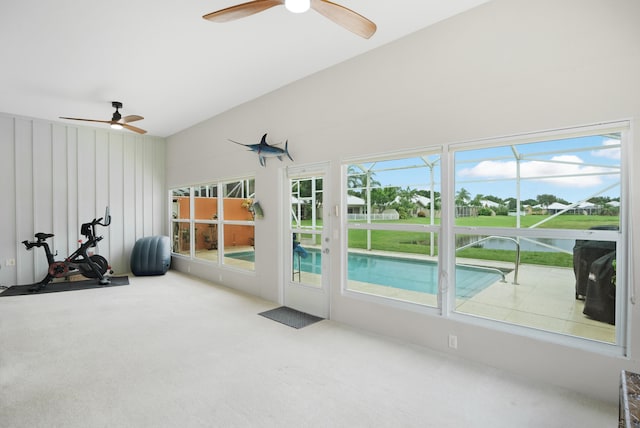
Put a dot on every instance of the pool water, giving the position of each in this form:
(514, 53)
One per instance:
(397, 272)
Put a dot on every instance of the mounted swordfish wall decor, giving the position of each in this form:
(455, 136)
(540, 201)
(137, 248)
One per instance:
(265, 150)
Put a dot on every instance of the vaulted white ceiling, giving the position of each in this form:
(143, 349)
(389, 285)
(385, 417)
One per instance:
(166, 63)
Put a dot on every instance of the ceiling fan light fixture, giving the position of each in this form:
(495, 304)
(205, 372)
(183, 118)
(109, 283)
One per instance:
(297, 6)
(116, 126)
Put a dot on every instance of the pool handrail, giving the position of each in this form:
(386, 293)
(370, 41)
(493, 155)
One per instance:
(508, 238)
(486, 268)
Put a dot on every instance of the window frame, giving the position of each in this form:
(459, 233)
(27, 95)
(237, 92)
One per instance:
(447, 231)
(219, 219)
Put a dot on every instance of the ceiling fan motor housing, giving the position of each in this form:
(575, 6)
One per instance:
(116, 115)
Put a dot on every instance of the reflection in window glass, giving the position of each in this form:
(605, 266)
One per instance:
(564, 286)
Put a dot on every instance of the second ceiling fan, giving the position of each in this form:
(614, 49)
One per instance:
(117, 121)
(341, 15)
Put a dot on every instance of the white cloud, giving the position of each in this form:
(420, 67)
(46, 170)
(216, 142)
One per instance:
(561, 174)
(609, 153)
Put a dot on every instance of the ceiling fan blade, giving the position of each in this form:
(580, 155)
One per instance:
(345, 17)
(86, 120)
(131, 118)
(241, 10)
(133, 128)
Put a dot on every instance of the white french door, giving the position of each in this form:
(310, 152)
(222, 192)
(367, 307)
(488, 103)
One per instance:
(306, 261)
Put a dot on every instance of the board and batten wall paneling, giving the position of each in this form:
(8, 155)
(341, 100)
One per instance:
(116, 197)
(129, 190)
(72, 188)
(59, 183)
(8, 237)
(42, 186)
(57, 176)
(24, 206)
(102, 190)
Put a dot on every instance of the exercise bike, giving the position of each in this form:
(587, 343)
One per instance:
(80, 261)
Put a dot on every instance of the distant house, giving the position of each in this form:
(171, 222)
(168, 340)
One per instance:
(423, 201)
(356, 205)
(587, 208)
(555, 207)
(489, 204)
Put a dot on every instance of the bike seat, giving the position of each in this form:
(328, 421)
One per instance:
(42, 236)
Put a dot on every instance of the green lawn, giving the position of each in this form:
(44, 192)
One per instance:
(565, 221)
(419, 242)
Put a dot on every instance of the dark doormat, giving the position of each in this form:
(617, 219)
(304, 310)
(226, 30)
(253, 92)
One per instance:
(290, 317)
(54, 287)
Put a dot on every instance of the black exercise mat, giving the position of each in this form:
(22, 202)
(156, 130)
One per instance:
(290, 317)
(54, 287)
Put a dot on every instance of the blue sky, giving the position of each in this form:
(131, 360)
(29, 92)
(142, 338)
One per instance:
(571, 169)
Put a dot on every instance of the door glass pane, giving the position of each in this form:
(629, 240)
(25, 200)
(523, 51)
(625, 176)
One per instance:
(306, 230)
(306, 264)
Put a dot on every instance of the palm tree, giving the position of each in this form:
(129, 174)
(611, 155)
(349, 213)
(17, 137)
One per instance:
(360, 178)
(477, 200)
(462, 196)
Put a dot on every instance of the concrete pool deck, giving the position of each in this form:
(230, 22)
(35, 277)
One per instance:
(543, 298)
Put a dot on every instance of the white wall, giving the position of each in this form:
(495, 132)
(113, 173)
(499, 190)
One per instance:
(57, 176)
(507, 67)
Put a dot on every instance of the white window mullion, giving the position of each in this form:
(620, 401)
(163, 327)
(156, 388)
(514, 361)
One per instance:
(447, 244)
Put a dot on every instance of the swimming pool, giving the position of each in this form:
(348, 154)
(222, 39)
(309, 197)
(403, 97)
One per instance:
(398, 272)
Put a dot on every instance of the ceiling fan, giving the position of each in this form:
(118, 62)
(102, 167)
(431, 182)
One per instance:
(117, 121)
(341, 15)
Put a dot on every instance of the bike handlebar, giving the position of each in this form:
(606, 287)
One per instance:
(30, 245)
(107, 218)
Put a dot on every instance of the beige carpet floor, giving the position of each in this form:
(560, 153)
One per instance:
(174, 351)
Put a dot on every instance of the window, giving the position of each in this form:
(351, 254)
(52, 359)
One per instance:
(205, 204)
(180, 220)
(546, 214)
(530, 232)
(238, 223)
(215, 222)
(393, 218)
